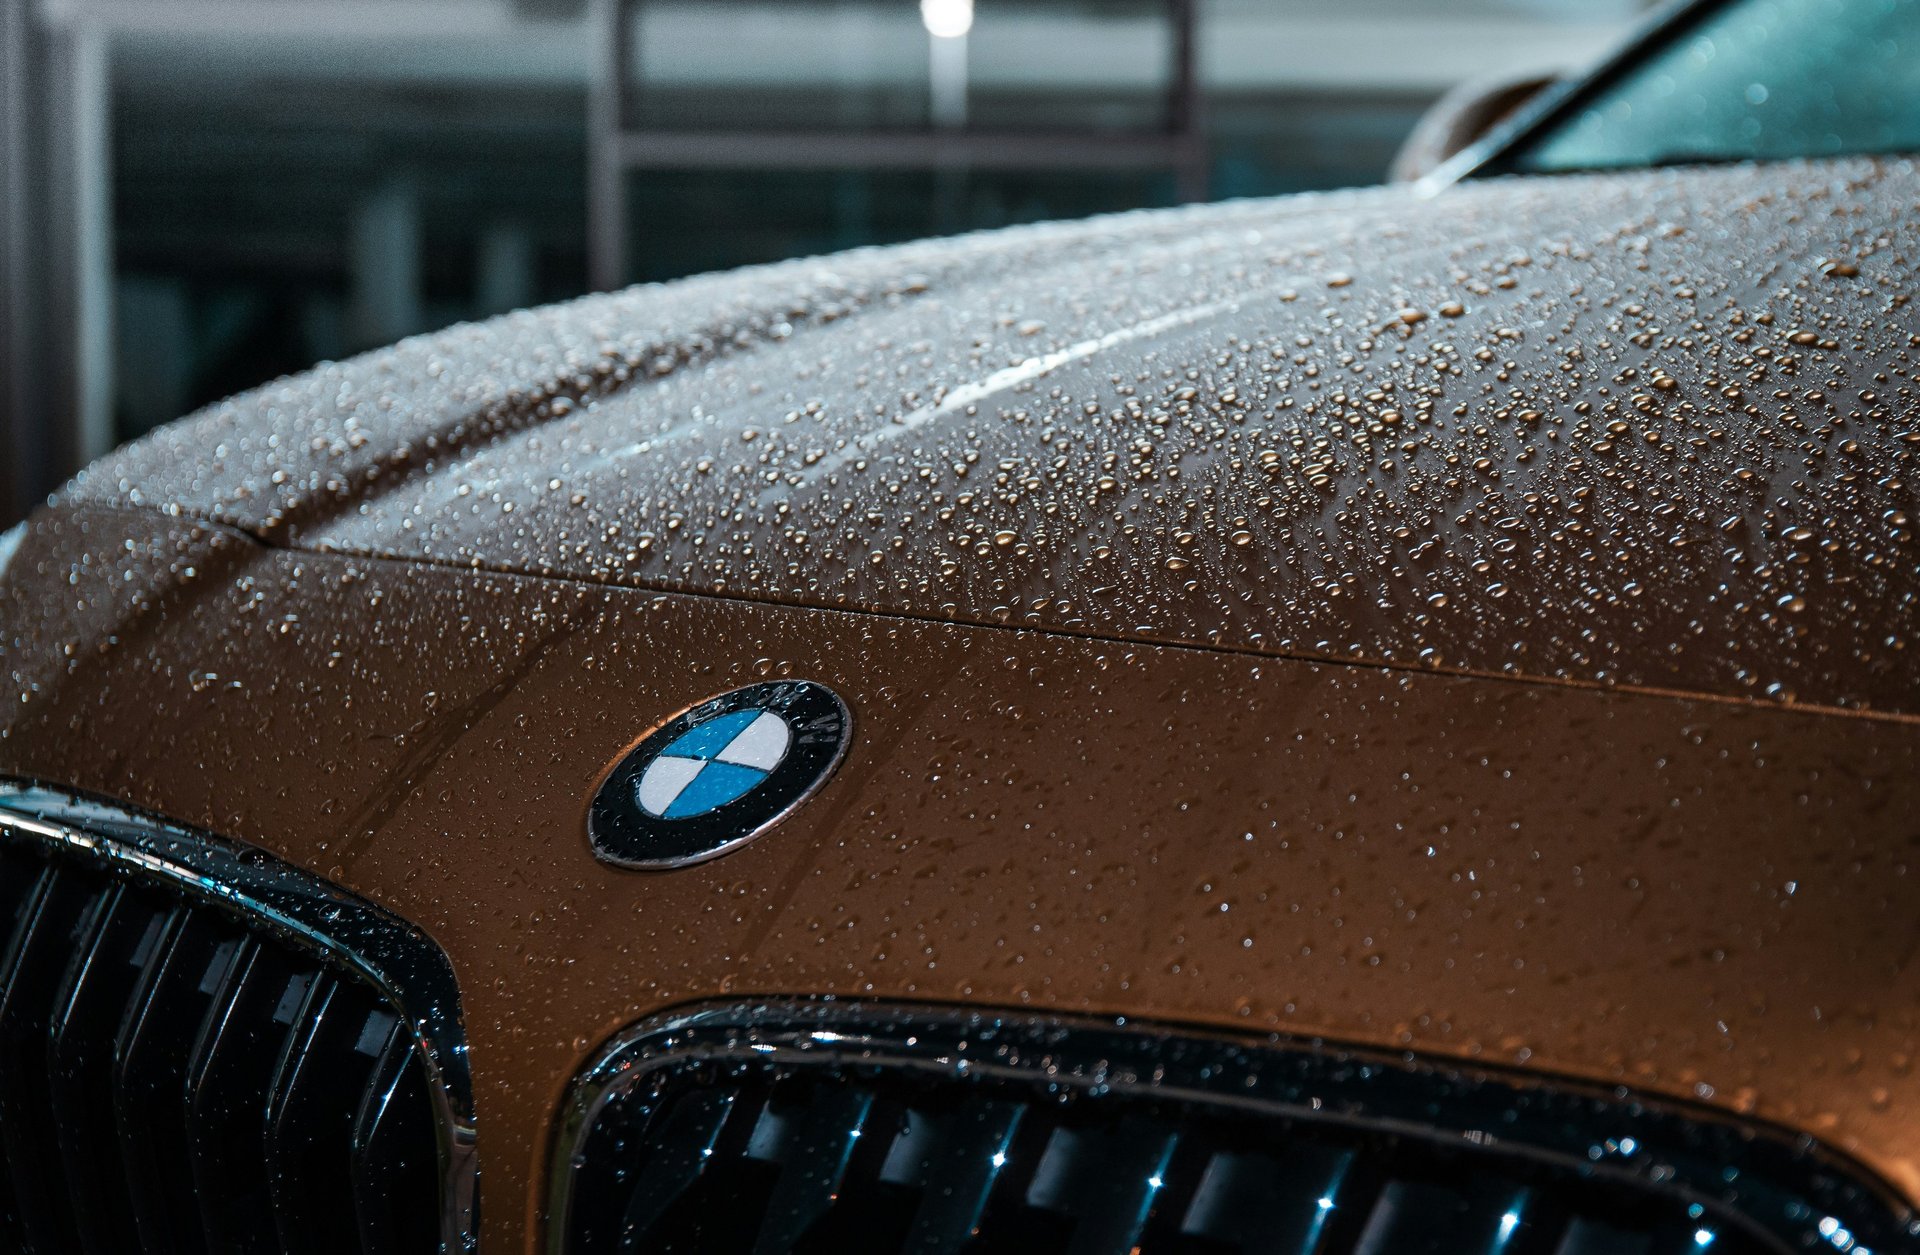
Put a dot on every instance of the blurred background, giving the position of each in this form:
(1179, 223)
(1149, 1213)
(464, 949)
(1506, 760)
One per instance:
(202, 195)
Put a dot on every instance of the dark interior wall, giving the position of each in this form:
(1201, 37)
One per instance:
(248, 219)
(239, 216)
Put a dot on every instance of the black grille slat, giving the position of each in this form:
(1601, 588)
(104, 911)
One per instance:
(1438, 1218)
(1593, 1236)
(20, 877)
(812, 1168)
(393, 1164)
(1110, 1187)
(128, 932)
(963, 1167)
(20, 882)
(309, 1122)
(230, 1083)
(1282, 1197)
(733, 1132)
(56, 921)
(683, 1149)
(865, 1210)
(204, 1051)
(151, 1056)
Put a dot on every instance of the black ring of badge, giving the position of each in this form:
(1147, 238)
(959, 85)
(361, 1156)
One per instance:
(623, 834)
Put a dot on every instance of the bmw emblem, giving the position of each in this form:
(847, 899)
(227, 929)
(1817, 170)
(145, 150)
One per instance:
(718, 775)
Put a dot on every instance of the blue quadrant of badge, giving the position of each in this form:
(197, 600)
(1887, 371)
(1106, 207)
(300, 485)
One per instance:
(711, 737)
(715, 786)
(712, 764)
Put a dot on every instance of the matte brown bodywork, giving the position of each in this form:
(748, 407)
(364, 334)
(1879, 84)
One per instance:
(1538, 743)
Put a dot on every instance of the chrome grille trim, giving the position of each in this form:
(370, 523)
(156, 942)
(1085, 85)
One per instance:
(1761, 1187)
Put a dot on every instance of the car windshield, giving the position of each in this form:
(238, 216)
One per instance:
(1751, 80)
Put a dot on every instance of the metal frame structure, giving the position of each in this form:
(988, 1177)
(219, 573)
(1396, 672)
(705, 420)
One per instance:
(614, 150)
(56, 299)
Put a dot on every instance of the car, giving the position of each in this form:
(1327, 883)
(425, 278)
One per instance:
(1368, 722)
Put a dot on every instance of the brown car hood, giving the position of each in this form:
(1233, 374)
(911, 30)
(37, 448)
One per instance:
(1651, 429)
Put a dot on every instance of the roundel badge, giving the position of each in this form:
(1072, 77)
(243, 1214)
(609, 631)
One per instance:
(718, 775)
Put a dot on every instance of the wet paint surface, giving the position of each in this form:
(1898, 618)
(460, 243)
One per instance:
(1703, 899)
(1655, 430)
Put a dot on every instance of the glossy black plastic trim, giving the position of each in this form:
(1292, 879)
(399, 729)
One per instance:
(396, 958)
(1656, 1144)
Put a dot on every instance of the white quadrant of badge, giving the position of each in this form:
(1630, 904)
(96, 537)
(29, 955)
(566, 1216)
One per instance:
(713, 763)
